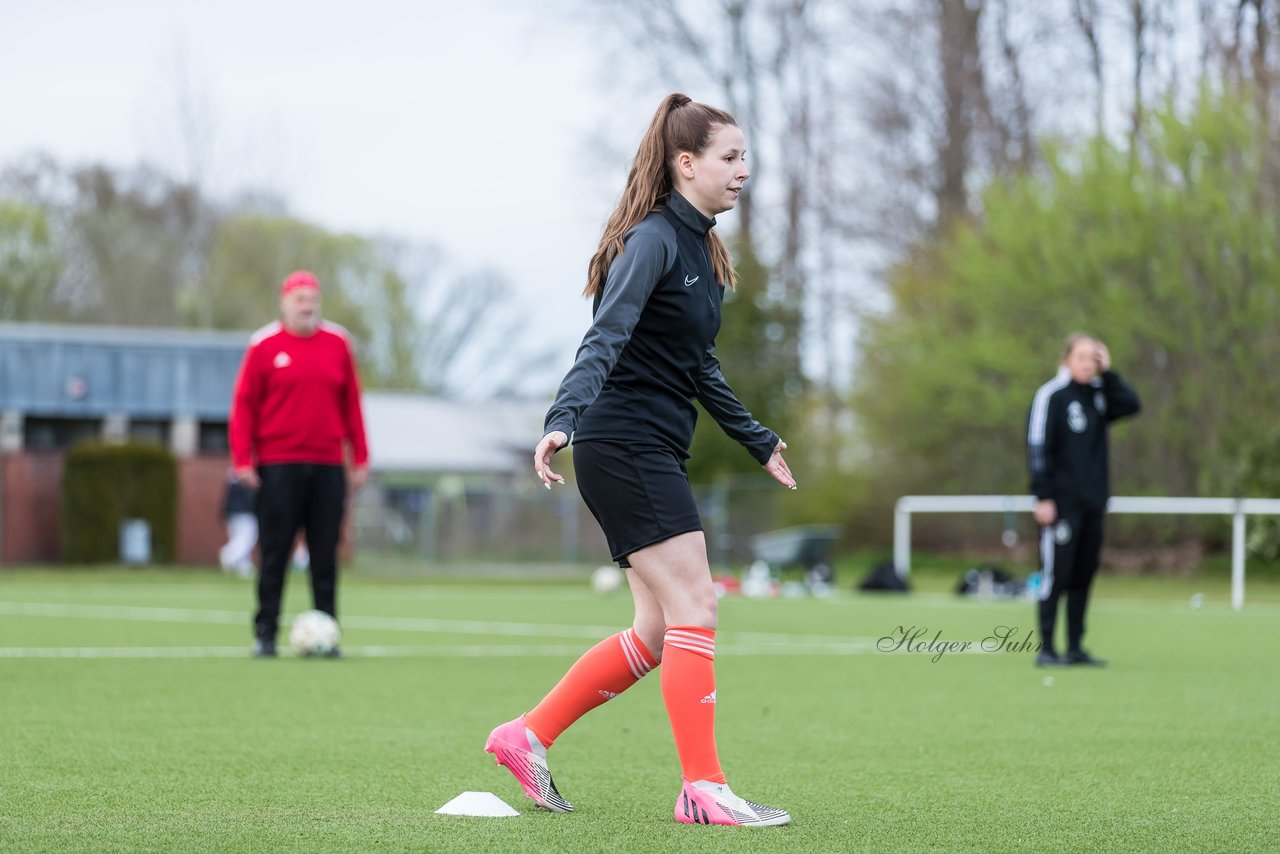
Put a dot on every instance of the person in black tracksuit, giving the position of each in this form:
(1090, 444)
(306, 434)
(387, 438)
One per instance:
(1067, 455)
(658, 279)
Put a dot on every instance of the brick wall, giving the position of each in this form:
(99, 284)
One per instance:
(32, 487)
(202, 482)
(30, 507)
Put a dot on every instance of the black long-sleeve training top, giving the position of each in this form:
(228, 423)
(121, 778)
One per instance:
(1067, 438)
(650, 351)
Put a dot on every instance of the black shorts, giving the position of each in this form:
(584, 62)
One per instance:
(640, 495)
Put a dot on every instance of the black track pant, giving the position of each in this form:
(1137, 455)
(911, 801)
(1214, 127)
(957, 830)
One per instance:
(1069, 551)
(293, 496)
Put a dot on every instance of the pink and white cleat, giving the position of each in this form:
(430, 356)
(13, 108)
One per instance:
(705, 802)
(516, 747)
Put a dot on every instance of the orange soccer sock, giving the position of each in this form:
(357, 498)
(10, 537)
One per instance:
(689, 691)
(602, 673)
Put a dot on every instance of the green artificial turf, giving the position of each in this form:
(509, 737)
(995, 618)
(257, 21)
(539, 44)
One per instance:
(197, 747)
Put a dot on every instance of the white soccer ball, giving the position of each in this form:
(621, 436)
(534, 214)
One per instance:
(606, 580)
(314, 633)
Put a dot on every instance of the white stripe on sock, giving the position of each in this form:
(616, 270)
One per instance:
(694, 649)
(692, 642)
(629, 655)
(677, 636)
(630, 644)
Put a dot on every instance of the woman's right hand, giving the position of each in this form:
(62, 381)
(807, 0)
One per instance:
(1046, 512)
(778, 467)
(552, 442)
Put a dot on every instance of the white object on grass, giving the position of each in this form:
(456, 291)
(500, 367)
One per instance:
(606, 579)
(759, 582)
(314, 633)
(485, 804)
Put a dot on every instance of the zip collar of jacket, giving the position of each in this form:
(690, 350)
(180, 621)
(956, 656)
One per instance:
(689, 216)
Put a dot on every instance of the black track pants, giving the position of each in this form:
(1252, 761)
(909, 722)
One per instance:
(293, 496)
(1069, 551)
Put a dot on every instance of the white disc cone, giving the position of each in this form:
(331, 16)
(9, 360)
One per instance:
(477, 803)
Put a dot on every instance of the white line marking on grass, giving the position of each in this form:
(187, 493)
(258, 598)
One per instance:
(400, 624)
(952, 601)
(477, 627)
(124, 652)
(858, 647)
(861, 646)
(406, 624)
(121, 612)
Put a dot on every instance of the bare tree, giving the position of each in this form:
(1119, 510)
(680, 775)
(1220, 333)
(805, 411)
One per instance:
(762, 57)
(963, 90)
(184, 128)
(1089, 21)
(879, 123)
(1138, 19)
(1017, 140)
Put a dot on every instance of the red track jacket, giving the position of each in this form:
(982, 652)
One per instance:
(297, 400)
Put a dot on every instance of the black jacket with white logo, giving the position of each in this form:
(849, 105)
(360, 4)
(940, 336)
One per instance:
(1067, 438)
(650, 351)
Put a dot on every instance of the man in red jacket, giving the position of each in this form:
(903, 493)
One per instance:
(294, 414)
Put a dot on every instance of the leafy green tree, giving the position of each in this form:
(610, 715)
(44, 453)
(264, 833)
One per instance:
(251, 255)
(752, 349)
(1256, 474)
(136, 247)
(127, 235)
(1168, 254)
(30, 262)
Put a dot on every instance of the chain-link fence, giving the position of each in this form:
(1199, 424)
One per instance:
(454, 520)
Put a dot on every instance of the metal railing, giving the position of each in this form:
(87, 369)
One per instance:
(1237, 508)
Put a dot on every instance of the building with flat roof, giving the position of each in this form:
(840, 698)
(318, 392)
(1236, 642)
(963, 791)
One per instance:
(65, 384)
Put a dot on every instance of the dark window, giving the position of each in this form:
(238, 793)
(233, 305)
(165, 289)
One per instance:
(213, 437)
(59, 434)
(149, 432)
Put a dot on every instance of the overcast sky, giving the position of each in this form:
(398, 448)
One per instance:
(473, 124)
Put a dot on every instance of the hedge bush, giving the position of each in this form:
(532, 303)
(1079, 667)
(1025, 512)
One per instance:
(102, 485)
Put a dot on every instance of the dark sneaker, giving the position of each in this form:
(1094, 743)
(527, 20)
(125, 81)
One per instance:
(1079, 656)
(336, 652)
(264, 648)
(1048, 658)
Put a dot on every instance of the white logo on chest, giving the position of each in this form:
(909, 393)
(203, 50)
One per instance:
(282, 360)
(1076, 419)
(689, 280)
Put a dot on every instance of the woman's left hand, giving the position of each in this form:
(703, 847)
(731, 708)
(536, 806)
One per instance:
(777, 467)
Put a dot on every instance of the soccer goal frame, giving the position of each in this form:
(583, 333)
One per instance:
(1237, 508)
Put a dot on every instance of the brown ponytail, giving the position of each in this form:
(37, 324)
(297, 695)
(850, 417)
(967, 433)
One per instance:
(680, 124)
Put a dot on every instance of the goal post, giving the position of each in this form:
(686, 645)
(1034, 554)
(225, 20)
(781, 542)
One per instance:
(1237, 508)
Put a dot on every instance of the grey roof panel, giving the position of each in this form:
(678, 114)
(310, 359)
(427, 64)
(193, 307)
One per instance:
(89, 371)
